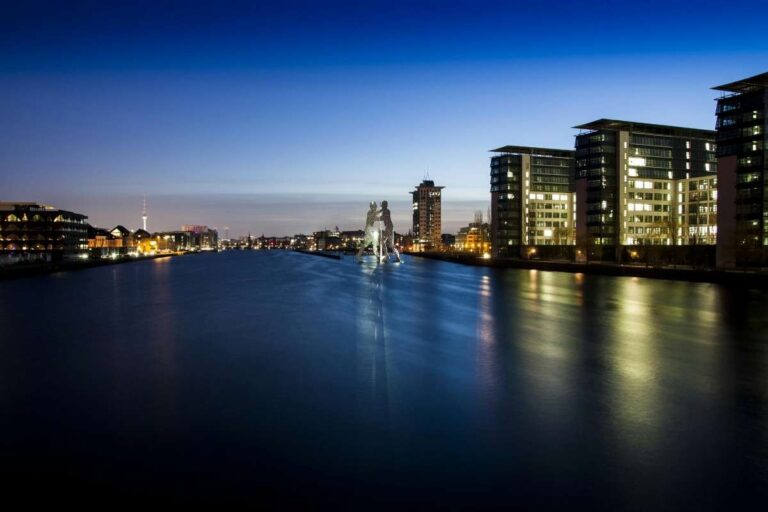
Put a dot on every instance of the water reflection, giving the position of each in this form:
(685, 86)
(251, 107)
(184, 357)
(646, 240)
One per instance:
(486, 335)
(636, 362)
(371, 346)
(537, 389)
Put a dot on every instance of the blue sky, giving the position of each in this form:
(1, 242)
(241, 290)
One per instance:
(281, 117)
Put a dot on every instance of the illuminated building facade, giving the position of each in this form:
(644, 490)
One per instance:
(103, 244)
(627, 177)
(204, 239)
(696, 206)
(178, 240)
(742, 171)
(328, 240)
(475, 237)
(36, 232)
(427, 222)
(532, 199)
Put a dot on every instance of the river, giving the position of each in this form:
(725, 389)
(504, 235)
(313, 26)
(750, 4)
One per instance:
(283, 378)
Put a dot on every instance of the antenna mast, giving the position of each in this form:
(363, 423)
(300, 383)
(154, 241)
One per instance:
(144, 214)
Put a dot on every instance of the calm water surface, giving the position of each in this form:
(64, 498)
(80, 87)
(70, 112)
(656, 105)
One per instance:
(289, 379)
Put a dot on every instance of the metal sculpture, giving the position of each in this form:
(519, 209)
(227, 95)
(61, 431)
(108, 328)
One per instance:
(372, 235)
(388, 237)
(381, 238)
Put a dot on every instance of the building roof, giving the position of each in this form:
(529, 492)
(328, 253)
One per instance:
(37, 207)
(427, 184)
(24, 205)
(528, 150)
(745, 85)
(94, 231)
(656, 129)
(121, 229)
(14, 204)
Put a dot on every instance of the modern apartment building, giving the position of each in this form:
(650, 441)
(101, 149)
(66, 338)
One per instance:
(696, 207)
(742, 112)
(627, 183)
(427, 222)
(532, 199)
(37, 232)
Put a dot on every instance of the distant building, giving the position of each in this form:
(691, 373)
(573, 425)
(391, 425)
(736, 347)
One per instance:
(203, 238)
(208, 240)
(627, 177)
(742, 172)
(36, 232)
(178, 240)
(448, 239)
(141, 233)
(194, 228)
(328, 240)
(120, 232)
(103, 244)
(427, 222)
(405, 241)
(302, 242)
(532, 199)
(351, 240)
(475, 237)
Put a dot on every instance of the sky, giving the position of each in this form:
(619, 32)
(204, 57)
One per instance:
(288, 117)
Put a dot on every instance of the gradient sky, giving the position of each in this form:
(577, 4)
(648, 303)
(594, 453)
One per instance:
(286, 117)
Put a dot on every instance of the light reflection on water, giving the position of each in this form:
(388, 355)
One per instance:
(527, 387)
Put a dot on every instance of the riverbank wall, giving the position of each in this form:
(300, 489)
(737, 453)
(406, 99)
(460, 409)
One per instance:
(756, 279)
(322, 254)
(24, 270)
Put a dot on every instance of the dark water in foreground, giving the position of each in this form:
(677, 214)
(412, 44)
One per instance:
(285, 378)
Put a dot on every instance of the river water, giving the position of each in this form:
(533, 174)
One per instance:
(289, 379)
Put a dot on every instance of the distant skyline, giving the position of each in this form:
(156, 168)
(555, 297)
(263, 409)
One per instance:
(288, 117)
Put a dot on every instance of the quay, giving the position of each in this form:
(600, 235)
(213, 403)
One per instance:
(749, 278)
(35, 269)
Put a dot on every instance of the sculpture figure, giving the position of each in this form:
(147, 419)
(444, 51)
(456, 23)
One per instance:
(371, 233)
(388, 237)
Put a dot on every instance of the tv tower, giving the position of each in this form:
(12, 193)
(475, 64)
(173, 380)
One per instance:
(144, 214)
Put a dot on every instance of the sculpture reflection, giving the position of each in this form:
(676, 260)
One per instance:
(372, 351)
